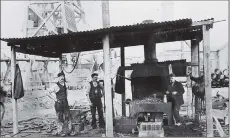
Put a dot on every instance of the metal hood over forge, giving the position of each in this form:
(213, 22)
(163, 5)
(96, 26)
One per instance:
(151, 77)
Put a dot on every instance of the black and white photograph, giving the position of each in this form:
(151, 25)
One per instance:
(107, 68)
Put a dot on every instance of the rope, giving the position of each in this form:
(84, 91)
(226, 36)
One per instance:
(74, 65)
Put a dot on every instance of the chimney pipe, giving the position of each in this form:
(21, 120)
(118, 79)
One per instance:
(150, 48)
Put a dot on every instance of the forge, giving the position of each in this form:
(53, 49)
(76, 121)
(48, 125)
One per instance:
(149, 81)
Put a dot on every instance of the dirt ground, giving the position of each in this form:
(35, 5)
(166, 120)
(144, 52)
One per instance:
(40, 109)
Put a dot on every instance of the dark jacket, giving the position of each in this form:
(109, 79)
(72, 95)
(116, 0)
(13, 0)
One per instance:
(199, 88)
(197, 79)
(178, 87)
(62, 93)
(95, 97)
(18, 84)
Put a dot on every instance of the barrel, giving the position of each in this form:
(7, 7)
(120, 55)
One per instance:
(225, 72)
(222, 77)
(214, 76)
(217, 71)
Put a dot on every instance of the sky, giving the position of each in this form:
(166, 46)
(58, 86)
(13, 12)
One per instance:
(128, 13)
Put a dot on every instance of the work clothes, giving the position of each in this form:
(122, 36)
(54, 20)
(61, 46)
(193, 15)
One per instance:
(18, 84)
(177, 99)
(61, 105)
(62, 108)
(199, 88)
(178, 87)
(197, 79)
(95, 94)
(61, 93)
(97, 106)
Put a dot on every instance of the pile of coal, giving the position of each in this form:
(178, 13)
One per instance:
(148, 100)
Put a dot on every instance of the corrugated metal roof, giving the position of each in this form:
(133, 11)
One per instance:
(167, 25)
(129, 35)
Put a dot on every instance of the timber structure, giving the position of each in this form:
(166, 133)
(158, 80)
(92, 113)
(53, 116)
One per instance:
(119, 37)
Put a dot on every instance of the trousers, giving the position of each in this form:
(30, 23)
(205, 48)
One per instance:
(64, 118)
(175, 109)
(97, 106)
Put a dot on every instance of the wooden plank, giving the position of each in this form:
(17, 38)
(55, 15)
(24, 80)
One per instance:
(14, 101)
(50, 2)
(64, 21)
(123, 96)
(27, 60)
(219, 128)
(208, 22)
(107, 77)
(60, 63)
(25, 29)
(195, 69)
(207, 74)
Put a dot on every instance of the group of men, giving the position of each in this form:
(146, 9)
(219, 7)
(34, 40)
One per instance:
(95, 93)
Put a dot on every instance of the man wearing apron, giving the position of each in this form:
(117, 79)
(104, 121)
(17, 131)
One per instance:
(58, 92)
(94, 95)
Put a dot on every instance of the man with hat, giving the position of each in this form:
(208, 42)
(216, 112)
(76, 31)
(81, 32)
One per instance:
(94, 94)
(175, 95)
(58, 93)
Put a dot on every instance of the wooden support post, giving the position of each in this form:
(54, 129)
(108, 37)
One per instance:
(195, 69)
(107, 78)
(123, 96)
(207, 74)
(14, 101)
(64, 21)
(26, 20)
(60, 63)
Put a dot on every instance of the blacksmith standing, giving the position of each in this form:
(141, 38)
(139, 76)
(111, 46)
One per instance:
(175, 95)
(94, 94)
(58, 92)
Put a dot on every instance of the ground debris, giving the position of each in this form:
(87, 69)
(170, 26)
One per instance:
(32, 125)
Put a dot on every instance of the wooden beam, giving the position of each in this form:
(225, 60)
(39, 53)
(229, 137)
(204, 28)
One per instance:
(123, 96)
(107, 77)
(79, 8)
(64, 21)
(14, 101)
(195, 69)
(207, 74)
(44, 20)
(219, 128)
(25, 29)
(51, 2)
(201, 23)
(60, 63)
(27, 60)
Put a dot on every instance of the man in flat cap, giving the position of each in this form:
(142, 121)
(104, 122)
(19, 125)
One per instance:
(58, 93)
(94, 94)
(175, 95)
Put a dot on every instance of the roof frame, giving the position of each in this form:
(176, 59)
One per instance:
(121, 36)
